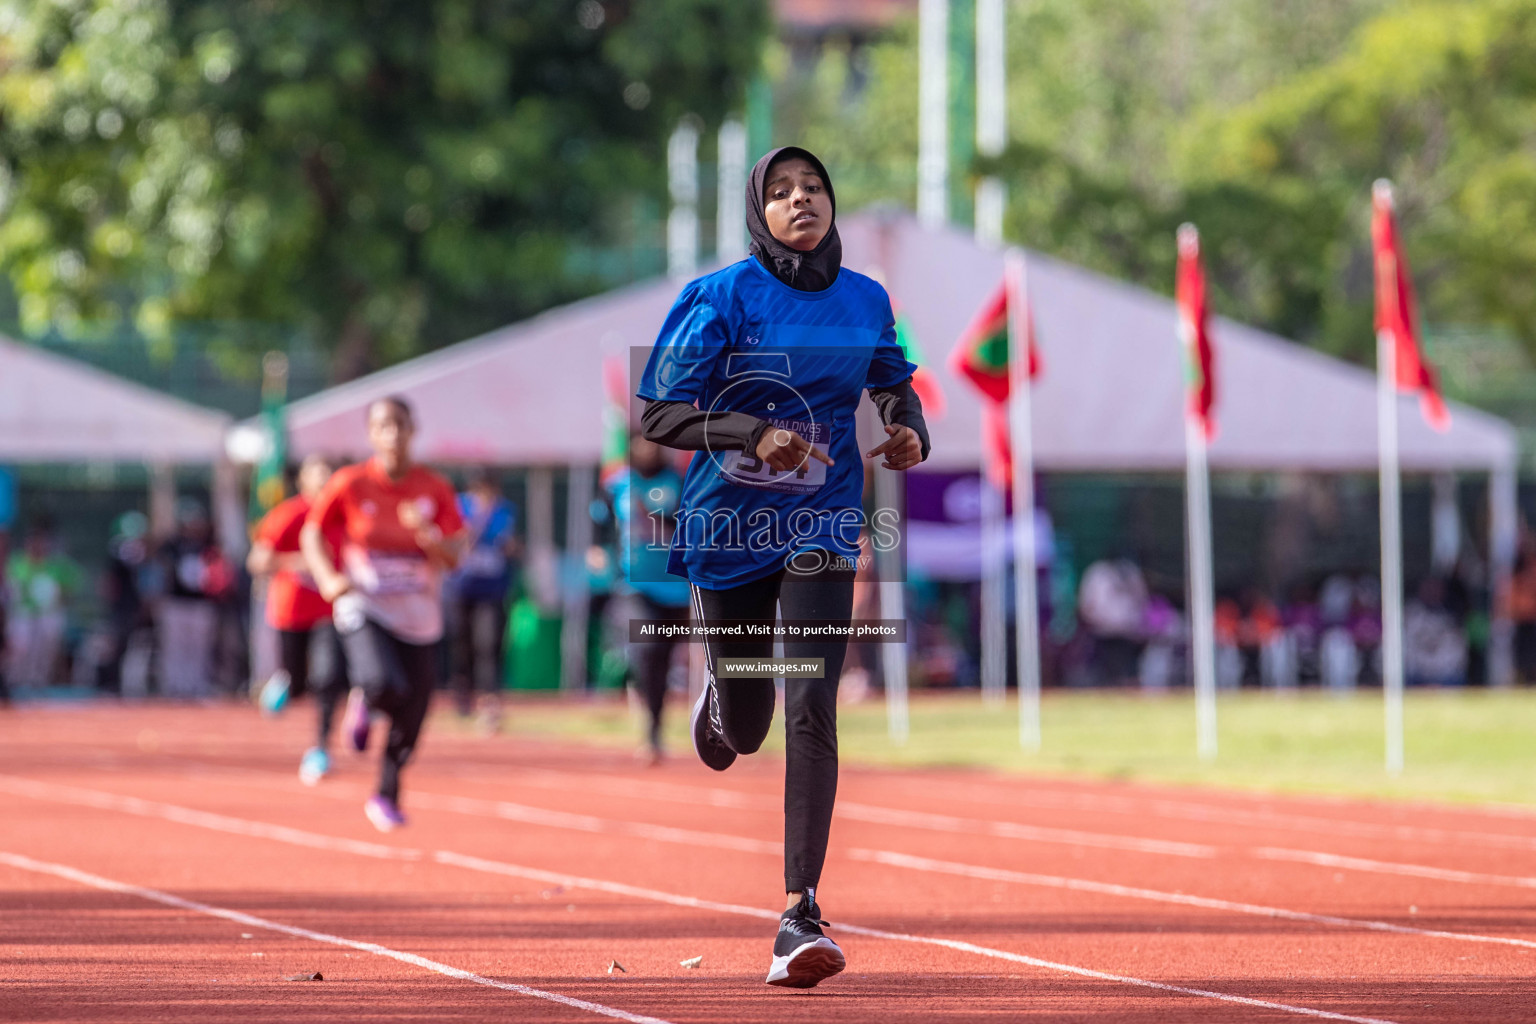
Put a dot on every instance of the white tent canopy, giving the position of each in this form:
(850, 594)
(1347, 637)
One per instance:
(54, 409)
(1110, 397)
(1111, 392)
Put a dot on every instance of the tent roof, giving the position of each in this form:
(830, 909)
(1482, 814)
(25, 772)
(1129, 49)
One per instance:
(1110, 397)
(55, 409)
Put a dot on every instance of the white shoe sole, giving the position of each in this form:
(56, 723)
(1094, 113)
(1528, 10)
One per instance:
(379, 820)
(805, 967)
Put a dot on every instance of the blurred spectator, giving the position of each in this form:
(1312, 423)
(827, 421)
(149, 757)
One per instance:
(40, 580)
(1434, 647)
(1164, 630)
(478, 591)
(1112, 603)
(1520, 604)
(646, 494)
(121, 585)
(199, 578)
(5, 601)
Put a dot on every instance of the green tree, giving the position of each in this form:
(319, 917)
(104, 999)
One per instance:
(382, 173)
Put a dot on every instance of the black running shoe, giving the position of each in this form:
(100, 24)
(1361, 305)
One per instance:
(802, 955)
(708, 739)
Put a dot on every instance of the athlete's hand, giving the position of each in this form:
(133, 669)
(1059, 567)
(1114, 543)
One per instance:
(785, 450)
(903, 451)
(332, 585)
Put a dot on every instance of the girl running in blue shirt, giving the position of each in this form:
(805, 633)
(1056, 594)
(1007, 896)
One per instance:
(760, 367)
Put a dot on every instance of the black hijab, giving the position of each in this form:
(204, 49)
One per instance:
(808, 271)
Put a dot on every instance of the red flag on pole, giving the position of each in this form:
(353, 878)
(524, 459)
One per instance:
(1396, 310)
(1199, 354)
(981, 358)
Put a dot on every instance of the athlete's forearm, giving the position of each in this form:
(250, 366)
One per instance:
(680, 425)
(899, 404)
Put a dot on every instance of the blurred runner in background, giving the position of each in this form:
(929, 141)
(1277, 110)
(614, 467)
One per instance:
(301, 617)
(198, 579)
(123, 592)
(646, 493)
(41, 580)
(479, 594)
(400, 532)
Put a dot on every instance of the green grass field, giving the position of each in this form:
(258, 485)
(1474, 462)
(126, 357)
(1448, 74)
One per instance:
(1463, 746)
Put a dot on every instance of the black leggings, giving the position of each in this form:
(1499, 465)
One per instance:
(398, 679)
(329, 683)
(649, 663)
(480, 627)
(810, 705)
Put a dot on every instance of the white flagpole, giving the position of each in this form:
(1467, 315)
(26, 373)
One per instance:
(1197, 504)
(1197, 514)
(1021, 441)
(991, 139)
(1391, 536)
(933, 112)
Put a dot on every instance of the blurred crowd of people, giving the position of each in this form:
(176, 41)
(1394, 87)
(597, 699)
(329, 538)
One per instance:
(168, 609)
(171, 615)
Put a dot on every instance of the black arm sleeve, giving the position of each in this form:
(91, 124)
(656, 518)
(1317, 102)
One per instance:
(899, 404)
(680, 425)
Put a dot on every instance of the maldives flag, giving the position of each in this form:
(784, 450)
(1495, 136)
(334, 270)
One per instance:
(1396, 310)
(1194, 329)
(981, 356)
(615, 456)
(924, 383)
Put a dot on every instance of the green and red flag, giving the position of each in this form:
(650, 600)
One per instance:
(615, 418)
(981, 357)
(924, 383)
(267, 487)
(1397, 313)
(1194, 329)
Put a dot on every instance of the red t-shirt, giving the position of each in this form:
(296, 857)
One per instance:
(395, 583)
(293, 600)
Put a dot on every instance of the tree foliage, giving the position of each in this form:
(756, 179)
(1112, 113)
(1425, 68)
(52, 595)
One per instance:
(1264, 122)
(382, 173)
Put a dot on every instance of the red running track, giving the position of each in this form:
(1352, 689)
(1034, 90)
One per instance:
(164, 864)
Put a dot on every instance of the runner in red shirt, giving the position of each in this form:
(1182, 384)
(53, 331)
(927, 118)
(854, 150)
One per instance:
(400, 531)
(301, 617)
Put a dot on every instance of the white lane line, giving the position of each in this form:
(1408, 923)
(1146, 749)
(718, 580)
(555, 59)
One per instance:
(1012, 830)
(110, 801)
(1137, 807)
(1330, 860)
(944, 867)
(202, 819)
(658, 896)
(851, 811)
(1179, 810)
(497, 867)
(251, 921)
(589, 823)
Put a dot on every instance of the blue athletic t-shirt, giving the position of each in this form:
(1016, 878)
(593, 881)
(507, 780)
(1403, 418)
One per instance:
(740, 340)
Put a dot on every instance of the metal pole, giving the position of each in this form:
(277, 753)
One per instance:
(683, 185)
(991, 113)
(933, 112)
(1503, 540)
(1197, 510)
(730, 196)
(1391, 549)
(578, 537)
(1021, 441)
(893, 657)
(994, 589)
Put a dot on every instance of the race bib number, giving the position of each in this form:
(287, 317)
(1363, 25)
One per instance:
(397, 574)
(746, 469)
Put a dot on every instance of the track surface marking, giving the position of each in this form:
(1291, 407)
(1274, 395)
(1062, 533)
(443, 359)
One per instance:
(979, 897)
